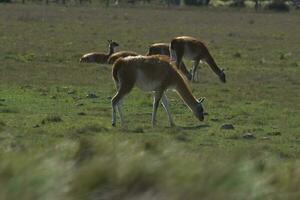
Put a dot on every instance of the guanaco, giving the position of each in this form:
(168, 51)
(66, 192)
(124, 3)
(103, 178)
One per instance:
(151, 73)
(189, 47)
(97, 57)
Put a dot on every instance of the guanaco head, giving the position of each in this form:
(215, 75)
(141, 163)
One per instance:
(83, 59)
(112, 44)
(199, 112)
(222, 76)
(150, 51)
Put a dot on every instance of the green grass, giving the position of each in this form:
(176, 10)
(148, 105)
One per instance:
(56, 143)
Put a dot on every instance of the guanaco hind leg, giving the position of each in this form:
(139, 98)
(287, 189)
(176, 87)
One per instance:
(165, 104)
(157, 97)
(119, 107)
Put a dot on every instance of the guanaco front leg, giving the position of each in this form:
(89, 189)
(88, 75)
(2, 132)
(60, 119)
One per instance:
(165, 104)
(195, 71)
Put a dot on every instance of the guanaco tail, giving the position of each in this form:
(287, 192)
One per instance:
(97, 57)
(151, 73)
(193, 49)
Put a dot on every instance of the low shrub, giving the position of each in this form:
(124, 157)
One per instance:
(278, 5)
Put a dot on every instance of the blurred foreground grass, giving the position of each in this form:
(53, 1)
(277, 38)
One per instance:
(112, 168)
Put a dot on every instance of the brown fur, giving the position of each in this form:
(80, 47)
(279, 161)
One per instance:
(120, 54)
(158, 75)
(199, 52)
(164, 49)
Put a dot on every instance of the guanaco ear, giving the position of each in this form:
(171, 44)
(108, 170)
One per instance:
(222, 70)
(109, 41)
(201, 99)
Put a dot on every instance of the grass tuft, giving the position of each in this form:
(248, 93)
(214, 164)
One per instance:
(54, 118)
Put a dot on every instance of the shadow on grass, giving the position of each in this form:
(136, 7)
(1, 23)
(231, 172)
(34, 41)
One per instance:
(7, 110)
(194, 127)
(2, 125)
(87, 130)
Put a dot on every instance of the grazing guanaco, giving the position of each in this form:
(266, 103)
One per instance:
(120, 54)
(163, 49)
(97, 57)
(151, 73)
(189, 47)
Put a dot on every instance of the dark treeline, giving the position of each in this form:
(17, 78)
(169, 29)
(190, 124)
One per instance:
(278, 5)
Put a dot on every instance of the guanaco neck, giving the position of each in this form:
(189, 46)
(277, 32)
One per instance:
(186, 95)
(213, 65)
(111, 50)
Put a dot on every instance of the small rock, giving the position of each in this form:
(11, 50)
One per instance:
(285, 55)
(262, 61)
(249, 136)
(265, 138)
(227, 126)
(91, 96)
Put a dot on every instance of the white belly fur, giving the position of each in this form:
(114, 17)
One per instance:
(145, 83)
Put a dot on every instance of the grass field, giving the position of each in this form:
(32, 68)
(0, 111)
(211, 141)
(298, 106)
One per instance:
(57, 143)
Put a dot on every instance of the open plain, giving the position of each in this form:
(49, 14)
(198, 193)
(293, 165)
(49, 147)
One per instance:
(56, 138)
